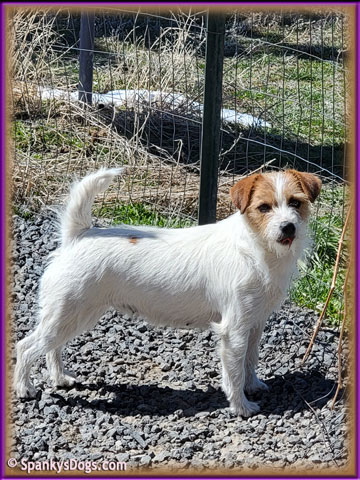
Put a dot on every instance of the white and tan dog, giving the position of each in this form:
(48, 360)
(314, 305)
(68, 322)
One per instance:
(231, 275)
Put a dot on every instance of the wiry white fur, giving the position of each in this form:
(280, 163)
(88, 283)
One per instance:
(77, 216)
(220, 275)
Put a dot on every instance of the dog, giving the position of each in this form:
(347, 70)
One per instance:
(230, 275)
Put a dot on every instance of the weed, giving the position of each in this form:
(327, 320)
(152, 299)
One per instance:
(23, 212)
(316, 271)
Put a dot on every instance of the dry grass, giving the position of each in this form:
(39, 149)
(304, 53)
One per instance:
(55, 140)
(72, 141)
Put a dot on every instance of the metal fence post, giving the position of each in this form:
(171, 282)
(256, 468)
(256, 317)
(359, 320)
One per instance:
(87, 30)
(210, 142)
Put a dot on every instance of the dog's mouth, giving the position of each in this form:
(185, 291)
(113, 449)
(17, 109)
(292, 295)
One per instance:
(287, 241)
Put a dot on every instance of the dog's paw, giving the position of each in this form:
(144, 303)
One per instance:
(25, 391)
(245, 409)
(255, 385)
(68, 379)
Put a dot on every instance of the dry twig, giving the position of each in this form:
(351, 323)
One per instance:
(339, 351)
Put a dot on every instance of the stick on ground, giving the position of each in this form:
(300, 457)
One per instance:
(339, 351)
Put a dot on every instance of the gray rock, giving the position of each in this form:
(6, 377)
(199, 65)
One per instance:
(160, 457)
(126, 409)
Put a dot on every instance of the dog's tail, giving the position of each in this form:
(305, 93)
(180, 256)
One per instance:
(76, 217)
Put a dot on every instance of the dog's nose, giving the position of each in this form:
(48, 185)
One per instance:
(288, 229)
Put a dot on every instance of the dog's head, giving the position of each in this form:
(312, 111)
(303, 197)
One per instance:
(277, 205)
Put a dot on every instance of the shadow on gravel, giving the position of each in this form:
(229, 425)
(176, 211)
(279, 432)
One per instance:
(146, 399)
(295, 392)
(292, 392)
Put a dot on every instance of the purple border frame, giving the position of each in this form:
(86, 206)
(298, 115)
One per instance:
(357, 233)
(3, 204)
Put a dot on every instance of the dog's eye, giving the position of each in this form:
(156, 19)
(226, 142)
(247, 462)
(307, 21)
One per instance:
(264, 208)
(294, 203)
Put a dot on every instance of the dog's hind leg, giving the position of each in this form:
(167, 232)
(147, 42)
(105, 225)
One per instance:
(25, 354)
(28, 350)
(59, 376)
(50, 335)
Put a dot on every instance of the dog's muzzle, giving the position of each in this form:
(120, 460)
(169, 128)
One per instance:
(287, 235)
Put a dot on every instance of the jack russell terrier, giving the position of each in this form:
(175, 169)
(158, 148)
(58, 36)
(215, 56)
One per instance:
(230, 275)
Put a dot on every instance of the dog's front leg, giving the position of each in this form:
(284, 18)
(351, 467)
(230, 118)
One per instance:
(234, 346)
(252, 383)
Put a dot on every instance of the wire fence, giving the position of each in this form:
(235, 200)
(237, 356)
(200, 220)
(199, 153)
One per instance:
(283, 99)
(285, 104)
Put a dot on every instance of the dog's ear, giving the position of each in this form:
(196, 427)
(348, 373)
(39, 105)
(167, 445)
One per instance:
(310, 183)
(241, 192)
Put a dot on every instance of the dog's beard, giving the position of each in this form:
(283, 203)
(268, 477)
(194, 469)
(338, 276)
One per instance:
(282, 249)
(279, 249)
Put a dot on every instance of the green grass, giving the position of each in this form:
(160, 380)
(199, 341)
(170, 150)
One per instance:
(312, 287)
(23, 136)
(300, 95)
(44, 137)
(44, 140)
(304, 97)
(141, 214)
(23, 212)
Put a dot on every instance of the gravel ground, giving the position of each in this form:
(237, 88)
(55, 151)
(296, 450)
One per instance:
(151, 396)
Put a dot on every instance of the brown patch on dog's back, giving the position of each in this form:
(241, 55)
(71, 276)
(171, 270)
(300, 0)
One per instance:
(133, 239)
